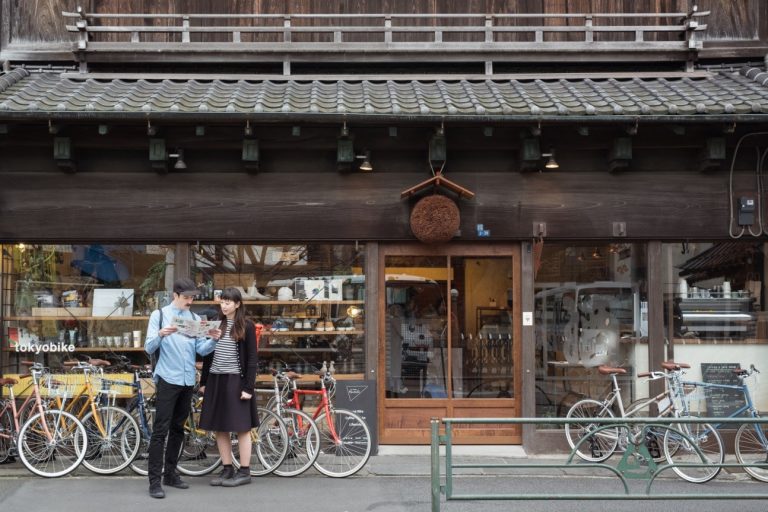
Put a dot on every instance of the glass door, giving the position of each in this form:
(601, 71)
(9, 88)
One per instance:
(450, 341)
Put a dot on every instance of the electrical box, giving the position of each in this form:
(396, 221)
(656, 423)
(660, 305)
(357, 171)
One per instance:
(746, 211)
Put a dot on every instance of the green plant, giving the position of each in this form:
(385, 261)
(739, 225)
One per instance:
(151, 283)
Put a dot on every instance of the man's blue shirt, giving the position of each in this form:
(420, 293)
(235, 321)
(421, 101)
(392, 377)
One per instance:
(176, 364)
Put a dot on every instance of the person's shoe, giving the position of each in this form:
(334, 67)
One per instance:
(175, 480)
(240, 478)
(226, 473)
(156, 491)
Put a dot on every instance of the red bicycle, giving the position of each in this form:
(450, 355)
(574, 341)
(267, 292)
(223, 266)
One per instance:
(345, 440)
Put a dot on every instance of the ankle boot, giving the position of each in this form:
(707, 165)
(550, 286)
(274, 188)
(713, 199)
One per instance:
(242, 477)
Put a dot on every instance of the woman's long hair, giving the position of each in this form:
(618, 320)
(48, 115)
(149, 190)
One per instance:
(238, 327)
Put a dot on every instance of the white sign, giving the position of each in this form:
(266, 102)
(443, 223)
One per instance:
(527, 318)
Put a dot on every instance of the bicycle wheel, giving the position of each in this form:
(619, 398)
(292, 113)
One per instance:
(303, 443)
(55, 456)
(654, 436)
(6, 432)
(681, 449)
(751, 446)
(199, 452)
(599, 445)
(347, 452)
(112, 447)
(139, 465)
(269, 444)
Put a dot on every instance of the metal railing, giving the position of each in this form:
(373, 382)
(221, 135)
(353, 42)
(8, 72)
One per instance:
(650, 473)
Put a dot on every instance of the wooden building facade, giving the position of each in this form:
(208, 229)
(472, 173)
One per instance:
(593, 154)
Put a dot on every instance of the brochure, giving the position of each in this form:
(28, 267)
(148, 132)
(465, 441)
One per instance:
(194, 328)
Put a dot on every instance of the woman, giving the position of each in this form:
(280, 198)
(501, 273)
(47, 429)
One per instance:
(227, 383)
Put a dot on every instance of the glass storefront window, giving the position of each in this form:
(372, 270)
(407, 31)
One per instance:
(590, 310)
(310, 299)
(449, 327)
(715, 314)
(91, 298)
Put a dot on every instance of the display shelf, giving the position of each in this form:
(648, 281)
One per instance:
(311, 378)
(109, 349)
(309, 333)
(312, 302)
(77, 318)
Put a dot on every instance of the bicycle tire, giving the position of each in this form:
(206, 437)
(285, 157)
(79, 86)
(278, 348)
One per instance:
(199, 452)
(59, 457)
(269, 444)
(140, 463)
(654, 436)
(6, 432)
(347, 457)
(679, 450)
(751, 449)
(303, 443)
(114, 449)
(600, 445)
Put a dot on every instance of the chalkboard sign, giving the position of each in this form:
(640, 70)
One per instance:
(721, 402)
(359, 396)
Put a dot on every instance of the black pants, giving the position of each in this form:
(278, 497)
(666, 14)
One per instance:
(172, 404)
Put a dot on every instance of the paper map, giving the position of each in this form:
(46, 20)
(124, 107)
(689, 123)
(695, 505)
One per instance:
(194, 328)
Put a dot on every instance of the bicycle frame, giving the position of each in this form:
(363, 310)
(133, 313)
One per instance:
(743, 388)
(325, 404)
(35, 372)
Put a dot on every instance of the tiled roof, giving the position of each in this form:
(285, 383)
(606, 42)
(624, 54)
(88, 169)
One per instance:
(733, 93)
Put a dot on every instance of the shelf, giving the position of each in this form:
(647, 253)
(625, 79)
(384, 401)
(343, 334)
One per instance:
(288, 302)
(109, 349)
(308, 333)
(315, 378)
(302, 350)
(77, 318)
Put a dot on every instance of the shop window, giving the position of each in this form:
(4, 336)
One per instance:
(309, 298)
(715, 313)
(94, 299)
(590, 310)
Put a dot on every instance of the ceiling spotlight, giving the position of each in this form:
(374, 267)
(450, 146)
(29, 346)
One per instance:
(365, 166)
(596, 254)
(551, 162)
(179, 156)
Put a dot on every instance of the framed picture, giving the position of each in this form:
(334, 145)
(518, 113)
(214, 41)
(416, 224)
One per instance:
(111, 302)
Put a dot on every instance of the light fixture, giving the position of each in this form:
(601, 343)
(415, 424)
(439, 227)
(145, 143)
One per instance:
(179, 156)
(596, 254)
(250, 154)
(438, 148)
(248, 131)
(365, 166)
(354, 311)
(345, 149)
(551, 162)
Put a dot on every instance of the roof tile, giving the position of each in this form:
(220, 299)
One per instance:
(743, 92)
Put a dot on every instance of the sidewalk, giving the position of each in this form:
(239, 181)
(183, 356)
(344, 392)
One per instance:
(410, 461)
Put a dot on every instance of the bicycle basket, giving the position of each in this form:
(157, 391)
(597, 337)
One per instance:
(61, 385)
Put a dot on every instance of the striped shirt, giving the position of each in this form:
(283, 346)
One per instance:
(226, 357)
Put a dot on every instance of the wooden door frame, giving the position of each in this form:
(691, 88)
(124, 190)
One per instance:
(463, 406)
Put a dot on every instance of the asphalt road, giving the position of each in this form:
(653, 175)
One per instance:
(356, 494)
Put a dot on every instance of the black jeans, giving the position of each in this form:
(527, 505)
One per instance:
(172, 404)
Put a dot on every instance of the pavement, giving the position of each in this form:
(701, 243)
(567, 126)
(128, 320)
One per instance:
(397, 479)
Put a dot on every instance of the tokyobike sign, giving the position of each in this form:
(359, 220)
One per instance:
(38, 348)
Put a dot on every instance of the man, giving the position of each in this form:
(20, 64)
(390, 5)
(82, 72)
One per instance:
(175, 378)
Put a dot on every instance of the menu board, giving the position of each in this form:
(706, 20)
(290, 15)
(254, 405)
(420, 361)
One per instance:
(722, 402)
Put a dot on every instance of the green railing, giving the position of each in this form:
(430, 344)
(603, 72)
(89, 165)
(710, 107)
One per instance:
(624, 470)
